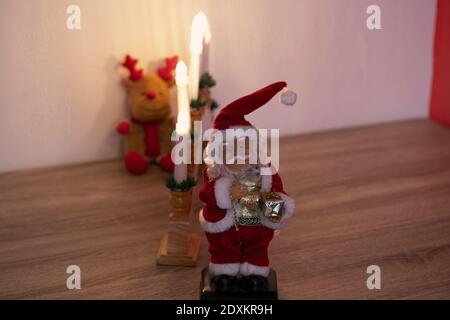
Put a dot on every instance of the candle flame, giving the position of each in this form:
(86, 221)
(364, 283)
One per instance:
(181, 76)
(198, 30)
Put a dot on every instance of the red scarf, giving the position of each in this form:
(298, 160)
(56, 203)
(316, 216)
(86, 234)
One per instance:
(152, 147)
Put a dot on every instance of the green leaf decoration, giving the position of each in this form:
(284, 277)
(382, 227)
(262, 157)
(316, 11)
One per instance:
(207, 81)
(183, 186)
(214, 105)
(197, 103)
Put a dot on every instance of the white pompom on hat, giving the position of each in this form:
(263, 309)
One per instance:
(288, 97)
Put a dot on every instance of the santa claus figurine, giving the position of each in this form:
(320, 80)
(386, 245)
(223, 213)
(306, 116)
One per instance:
(243, 205)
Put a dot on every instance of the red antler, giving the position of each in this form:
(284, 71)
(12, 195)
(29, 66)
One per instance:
(165, 72)
(130, 64)
(171, 62)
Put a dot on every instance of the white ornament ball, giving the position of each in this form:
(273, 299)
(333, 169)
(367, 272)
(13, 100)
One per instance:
(288, 97)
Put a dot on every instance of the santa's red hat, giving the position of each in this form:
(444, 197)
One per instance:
(233, 114)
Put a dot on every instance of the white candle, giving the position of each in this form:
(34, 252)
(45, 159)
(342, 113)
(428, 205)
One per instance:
(183, 126)
(198, 29)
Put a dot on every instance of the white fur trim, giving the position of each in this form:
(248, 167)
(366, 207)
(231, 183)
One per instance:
(288, 211)
(220, 226)
(230, 269)
(266, 183)
(222, 192)
(247, 269)
(238, 127)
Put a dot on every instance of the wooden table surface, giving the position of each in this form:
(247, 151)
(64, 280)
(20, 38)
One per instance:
(377, 195)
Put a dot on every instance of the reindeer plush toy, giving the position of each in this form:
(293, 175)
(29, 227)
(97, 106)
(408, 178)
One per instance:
(147, 133)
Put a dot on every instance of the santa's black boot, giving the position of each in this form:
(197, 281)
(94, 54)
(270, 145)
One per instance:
(247, 287)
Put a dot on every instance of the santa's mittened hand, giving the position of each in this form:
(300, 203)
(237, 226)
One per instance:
(123, 128)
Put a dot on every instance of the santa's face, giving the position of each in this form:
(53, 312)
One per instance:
(237, 155)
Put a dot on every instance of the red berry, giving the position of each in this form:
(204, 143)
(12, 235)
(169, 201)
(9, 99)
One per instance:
(123, 128)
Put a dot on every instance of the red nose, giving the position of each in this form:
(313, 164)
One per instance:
(151, 95)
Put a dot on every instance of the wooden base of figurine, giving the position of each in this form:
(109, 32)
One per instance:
(188, 259)
(208, 293)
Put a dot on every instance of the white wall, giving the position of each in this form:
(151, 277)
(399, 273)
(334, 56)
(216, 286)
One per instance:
(60, 95)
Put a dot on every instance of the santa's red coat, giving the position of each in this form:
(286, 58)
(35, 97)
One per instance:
(243, 248)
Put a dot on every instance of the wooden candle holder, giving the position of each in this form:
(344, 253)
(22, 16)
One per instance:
(180, 245)
(196, 115)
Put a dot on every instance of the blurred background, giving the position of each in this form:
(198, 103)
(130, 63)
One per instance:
(61, 96)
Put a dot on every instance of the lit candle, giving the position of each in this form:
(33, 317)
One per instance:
(198, 29)
(183, 126)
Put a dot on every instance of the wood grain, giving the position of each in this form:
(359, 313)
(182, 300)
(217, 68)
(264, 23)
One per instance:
(372, 195)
